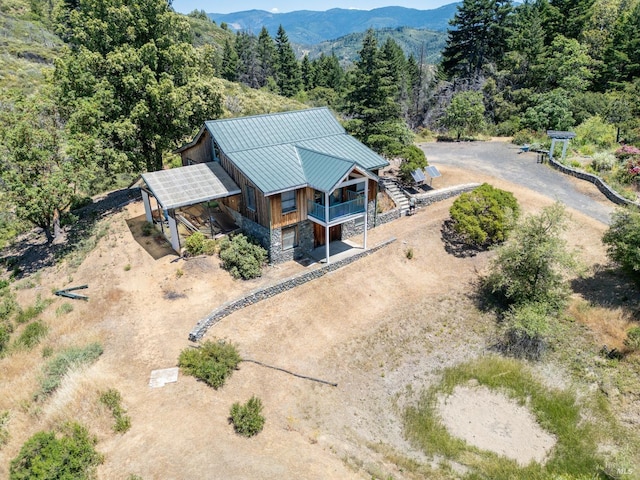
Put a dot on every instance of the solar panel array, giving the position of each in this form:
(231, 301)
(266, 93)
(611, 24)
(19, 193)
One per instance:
(189, 185)
(418, 176)
(432, 171)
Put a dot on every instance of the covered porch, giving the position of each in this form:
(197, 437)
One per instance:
(187, 201)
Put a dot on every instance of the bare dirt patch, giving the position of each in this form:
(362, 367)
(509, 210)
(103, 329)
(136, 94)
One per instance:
(491, 421)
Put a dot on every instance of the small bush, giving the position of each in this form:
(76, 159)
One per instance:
(32, 311)
(633, 339)
(523, 136)
(484, 216)
(247, 419)
(63, 362)
(623, 239)
(113, 401)
(413, 158)
(242, 258)
(526, 327)
(8, 305)
(627, 152)
(63, 309)
(4, 431)
(31, 335)
(212, 363)
(198, 244)
(147, 229)
(409, 253)
(6, 329)
(46, 456)
(603, 161)
(595, 131)
(79, 201)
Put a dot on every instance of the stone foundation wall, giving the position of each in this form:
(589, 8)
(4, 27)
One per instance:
(428, 198)
(267, 292)
(606, 190)
(305, 244)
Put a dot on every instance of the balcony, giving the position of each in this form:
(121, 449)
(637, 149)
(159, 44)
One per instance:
(354, 205)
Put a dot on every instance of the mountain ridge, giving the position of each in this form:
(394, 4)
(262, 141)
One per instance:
(309, 27)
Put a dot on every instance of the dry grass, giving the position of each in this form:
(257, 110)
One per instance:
(609, 326)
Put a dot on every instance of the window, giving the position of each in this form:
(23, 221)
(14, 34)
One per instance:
(251, 198)
(288, 200)
(289, 238)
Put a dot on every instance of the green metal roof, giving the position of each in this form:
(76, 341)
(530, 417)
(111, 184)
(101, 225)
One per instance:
(323, 172)
(264, 148)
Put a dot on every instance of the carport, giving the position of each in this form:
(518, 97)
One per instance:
(182, 187)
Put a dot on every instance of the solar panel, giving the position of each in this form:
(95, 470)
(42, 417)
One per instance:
(418, 176)
(432, 171)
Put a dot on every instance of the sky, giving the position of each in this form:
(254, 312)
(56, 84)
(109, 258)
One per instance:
(282, 6)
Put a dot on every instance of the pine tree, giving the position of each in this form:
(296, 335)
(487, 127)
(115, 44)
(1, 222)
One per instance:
(287, 68)
(248, 64)
(229, 62)
(306, 69)
(478, 36)
(266, 52)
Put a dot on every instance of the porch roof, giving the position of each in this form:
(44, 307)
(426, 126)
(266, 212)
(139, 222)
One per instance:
(323, 172)
(189, 185)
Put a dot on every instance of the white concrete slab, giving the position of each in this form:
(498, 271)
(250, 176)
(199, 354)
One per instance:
(161, 377)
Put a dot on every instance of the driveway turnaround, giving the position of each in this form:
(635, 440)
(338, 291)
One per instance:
(502, 160)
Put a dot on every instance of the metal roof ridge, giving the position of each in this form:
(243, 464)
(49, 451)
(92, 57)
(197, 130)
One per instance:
(292, 143)
(352, 162)
(260, 115)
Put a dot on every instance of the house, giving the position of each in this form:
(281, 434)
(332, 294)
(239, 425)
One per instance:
(295, 181)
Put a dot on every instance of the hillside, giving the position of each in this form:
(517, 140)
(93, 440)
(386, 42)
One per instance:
(308, 27)
(411, 40)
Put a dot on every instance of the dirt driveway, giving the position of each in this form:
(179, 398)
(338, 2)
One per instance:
(502, 160)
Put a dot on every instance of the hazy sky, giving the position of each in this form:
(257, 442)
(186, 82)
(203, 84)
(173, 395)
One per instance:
(228, 6)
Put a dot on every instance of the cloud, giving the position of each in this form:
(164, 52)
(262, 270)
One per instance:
(274, 10)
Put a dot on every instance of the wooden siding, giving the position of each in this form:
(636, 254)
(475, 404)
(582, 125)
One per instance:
(261, 214)
(200, 153)
(279, 220)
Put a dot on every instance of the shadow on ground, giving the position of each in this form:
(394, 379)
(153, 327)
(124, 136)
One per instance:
(31, 252)
(609, 287)
(155, 245)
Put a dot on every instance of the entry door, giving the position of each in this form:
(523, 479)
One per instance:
(335, 234)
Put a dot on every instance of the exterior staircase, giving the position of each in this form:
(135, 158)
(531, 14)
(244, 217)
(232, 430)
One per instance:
(396, 194)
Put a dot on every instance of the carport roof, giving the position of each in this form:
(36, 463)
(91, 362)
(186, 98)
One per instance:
(179, 187)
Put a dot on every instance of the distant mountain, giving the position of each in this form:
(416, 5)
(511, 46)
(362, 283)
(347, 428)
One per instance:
(411, 40)
(308, 28)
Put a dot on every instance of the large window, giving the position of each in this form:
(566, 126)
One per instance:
(289, 238)
(251, 198)
(288, 201)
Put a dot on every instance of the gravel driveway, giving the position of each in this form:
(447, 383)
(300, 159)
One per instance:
(502, 160)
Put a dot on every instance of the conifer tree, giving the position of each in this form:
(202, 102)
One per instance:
(229, 62)
(266, 52)
(287, 67)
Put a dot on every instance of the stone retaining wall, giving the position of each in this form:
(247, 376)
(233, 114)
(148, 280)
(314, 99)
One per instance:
(267, 292)
(597, 181)
(424, 199)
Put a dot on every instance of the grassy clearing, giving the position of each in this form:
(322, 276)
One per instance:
(576, 451)
(64, 361)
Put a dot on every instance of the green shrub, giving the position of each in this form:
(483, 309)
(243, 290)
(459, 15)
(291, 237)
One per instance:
(212, 362)
(247, 419)
(413, 158)
(79, 201)
(63, 362)
(6, 329)
(63, 309)
(4, 431)
(31, 335)
(45, 456)
(633, 339)
(198, 244)
(595, 131)
(603, 161)
(623, 239)
(147, 229)
(484, 216)
(32, 311)
(242, 258)
(113, 401)
(7, 306)
(526, 327)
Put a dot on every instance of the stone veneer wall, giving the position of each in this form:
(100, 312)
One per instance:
(428, 198)
(305, 243)
(597, 181)
(267, 292)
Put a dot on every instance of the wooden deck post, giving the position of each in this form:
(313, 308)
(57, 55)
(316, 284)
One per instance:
(326, 227)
